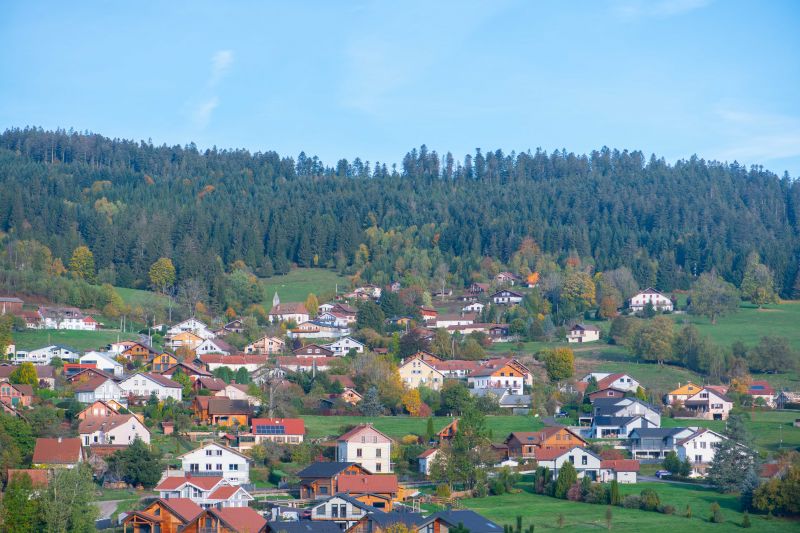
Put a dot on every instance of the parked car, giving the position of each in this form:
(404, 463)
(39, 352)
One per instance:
(660, 474)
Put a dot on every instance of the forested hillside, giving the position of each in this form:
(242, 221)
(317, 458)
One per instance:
(132, 203)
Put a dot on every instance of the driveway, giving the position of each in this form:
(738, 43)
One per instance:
(107, 508)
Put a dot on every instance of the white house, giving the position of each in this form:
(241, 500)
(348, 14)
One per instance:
(104, 361)
(236, 391)
(583, 333)
(340, 320)
(586, 462)
(120, 430)
(289, 312)
(146, 384)
(205, 491)
(621, 470)
(474, 307)
(70, 318)
(506, 297)
(341, 509)
(709, 405)
(265, 345)
(344, 345)
(607, 380)
(613, 427)
(445, 321)
(43, 356)
(698, 447)
(650, 296)
(191, 325)
(627, 407)
(98, 388)
(216, 459)
(213, 346)
(426, 459)
(497, 374)
(251, 362)
(366, 446)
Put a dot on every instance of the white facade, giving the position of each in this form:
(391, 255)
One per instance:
(210, 346)
(345, 512)
(506, 297)
(426, 460)
(584, 461)
(143, 385)
(344, 345)
(191, 325)
(623, 382)
(699, 447)
(474, 307)
(43, 356)
(105, 430)
(514, 384)
(652, 296)
(221, 494)
(368, 447)
(103, 361)
(217, 459)
(447, 321)
(581, 333)
(107, 390)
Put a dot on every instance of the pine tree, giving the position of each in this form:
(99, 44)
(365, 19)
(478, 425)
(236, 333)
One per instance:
(733, 457)
(430, 432)
(567, 477)
(371, 404)
(616, 498)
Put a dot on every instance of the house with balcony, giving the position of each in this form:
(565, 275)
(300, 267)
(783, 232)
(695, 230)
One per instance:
(627, 407)
(526, 444)
(321, 479)
(653, 444)
(699, 448)
(585, 461)
(708, 404)
(583, 333)
(165, 516)
(217, 460)
(497, 374)
(205, 491)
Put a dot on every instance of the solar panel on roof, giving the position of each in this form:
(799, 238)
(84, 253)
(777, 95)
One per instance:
(270, 430)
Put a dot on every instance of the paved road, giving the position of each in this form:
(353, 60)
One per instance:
(107, 508)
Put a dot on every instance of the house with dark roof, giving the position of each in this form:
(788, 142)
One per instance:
(506, 297)
(447, 520)
(146, 384)
(655, 443)
(526, 444)
(627, 407)
(709, 404)
(304, 526)
(583, 333)
(341, 509)
(321, 479)
(613, 427)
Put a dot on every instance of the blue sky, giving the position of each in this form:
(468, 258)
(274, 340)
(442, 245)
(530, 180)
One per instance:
(373, 79)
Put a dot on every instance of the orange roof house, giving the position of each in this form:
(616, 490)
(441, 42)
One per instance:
(227, 520)
(530, 444)
(164, 515)
(57, 453)
(683, 393)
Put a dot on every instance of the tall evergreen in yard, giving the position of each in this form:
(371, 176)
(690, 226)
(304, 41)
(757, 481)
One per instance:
(567, 477)
(734, 457)
(616, 498)
(371, 404)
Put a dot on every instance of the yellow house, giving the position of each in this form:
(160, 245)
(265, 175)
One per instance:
(185, 339)
(683, 393)
(415, 371)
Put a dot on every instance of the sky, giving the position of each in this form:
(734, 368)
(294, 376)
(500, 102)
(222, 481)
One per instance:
(373, 79)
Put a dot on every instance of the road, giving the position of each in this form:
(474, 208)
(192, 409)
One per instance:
(107, 508)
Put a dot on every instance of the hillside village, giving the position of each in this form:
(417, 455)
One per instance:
(220, 432)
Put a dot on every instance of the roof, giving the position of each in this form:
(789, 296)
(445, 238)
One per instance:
(386, 520)
(159, 379)
(656, 433)
(621, 465)
(613, 420)
(218, 445)
(224, 492)
(175, 482)
(183, 507)
(427, 453)
(471, 520)
(358, 429)
(584, 327)
(60, 451)
(606, 382)
(242, 519)
(374, 483)
(688, 389)
(39, 476)
(10, 299)
(292, 426)
(289, 308)
(25, 390)
(305, 526)
(537, 437)
(696, 434)
(91, 424)
(344, 380)
(760, 388)
(323, 469)
(210, 383)
(249, 359)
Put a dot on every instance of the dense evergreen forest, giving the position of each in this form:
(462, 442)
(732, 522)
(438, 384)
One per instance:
(132, 203)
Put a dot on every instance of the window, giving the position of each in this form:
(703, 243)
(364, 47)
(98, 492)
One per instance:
(584, 460)
(343, 510)
(698, 458)
(703, 445)
(323, 490)
(378, 452)
(219, 466)
(358, 452)
(219, 452)
(232, 467)
(208, 466)
(334, 511)
(378, 467)
(572, 459)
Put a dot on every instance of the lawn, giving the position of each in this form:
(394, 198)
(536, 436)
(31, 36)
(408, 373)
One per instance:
(297, 284)
(772, 430)
(398, 426)
(80, 340)
(142, 298)
(749, 324)
(543, 511)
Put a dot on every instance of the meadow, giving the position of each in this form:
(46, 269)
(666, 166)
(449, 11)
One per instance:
(297, 284)
(543, 511)
(31, 339)
(398, 426)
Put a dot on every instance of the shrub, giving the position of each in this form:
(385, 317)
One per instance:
(575, 493)
(410, 439)
(615, 497)
(443, 490)
(667, 509)
(632, 501)
(716, 514)
(597, 494)
(649, 500)
(746, 520)
(497, 487)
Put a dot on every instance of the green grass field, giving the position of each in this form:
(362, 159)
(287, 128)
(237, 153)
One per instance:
(772, 430)
(749, 324)
(543, 511)
(297, 284)
(32, 339)
(138, 297)
(398, 426)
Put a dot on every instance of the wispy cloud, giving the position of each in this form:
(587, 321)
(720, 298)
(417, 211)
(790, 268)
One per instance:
(754, 137)
(221, 63)
(639, 9)
(203, 108)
